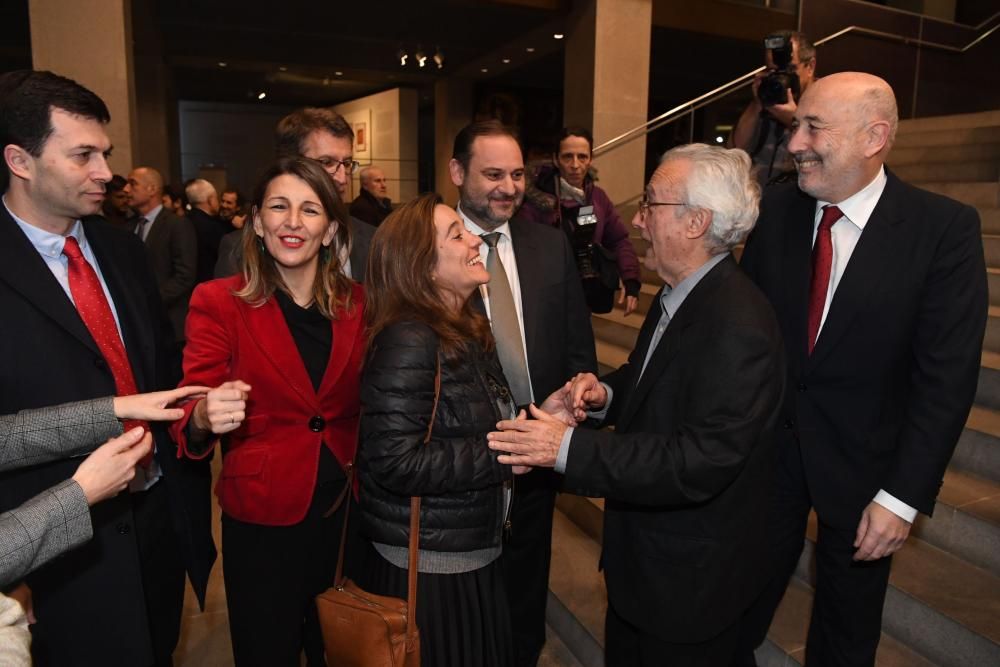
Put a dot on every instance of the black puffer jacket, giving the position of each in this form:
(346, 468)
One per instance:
(457, 475)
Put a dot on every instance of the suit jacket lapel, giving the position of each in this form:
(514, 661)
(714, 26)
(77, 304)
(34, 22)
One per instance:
(345, 333)
(158, 229)
(798, 239)
(864, 272)
(26, 272)
(269, 331)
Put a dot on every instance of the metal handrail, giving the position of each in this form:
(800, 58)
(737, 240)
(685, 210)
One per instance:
(725, 89)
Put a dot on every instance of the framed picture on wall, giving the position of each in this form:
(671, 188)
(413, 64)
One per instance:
(361, 122)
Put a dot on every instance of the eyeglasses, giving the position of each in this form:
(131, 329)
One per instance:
(645, 205)
(333, 166)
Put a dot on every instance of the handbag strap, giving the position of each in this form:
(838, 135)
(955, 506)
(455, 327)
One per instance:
(414, 545)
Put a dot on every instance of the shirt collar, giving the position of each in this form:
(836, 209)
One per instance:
(151, 216)
(858, 207)
(504, 229)
(671, 299)
(46, 243)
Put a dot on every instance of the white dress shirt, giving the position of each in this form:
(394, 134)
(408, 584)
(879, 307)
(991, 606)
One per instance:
(506, 251)
(846, 233)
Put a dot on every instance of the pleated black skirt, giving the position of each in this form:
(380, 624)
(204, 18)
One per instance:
(463, 618)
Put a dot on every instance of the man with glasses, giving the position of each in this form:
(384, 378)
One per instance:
(685, 472)
(762, 130)
(323, 135)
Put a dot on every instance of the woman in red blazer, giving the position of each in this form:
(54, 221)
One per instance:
(282, 344)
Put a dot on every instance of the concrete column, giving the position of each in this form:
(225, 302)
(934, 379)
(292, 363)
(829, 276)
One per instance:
(607, 85)
(453, 107)
(90, 41)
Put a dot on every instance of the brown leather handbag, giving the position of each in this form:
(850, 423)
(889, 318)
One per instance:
(361, 629)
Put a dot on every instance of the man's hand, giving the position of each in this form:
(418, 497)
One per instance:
(631, 302)
(587, 393)
(223, 408)
(529, 443)
(880, 533)
(22, 594)
(784, 113)
(152, 407)
(111, 466)
(559, 404)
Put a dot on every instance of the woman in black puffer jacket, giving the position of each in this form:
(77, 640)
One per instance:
(423, 268)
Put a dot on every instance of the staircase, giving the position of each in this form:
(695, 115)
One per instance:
(943, 602)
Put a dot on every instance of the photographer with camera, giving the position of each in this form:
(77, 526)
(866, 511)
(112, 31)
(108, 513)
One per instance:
(762, 129)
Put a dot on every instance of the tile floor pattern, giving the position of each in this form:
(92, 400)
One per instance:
(204, 640)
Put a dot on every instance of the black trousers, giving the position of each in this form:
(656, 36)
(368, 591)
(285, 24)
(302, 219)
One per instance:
(525, 562)
(272, 576)
(628, 646)
(846, 621)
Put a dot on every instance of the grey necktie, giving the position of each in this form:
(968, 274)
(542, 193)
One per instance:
(142, 228)
(506, 330)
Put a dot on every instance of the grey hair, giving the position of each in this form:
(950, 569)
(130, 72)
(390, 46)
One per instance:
(199, 191)
(721, 181)
(363, 174)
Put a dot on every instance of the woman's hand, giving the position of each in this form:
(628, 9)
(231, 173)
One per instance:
(223, 409)
(152, 407)
(110, 468)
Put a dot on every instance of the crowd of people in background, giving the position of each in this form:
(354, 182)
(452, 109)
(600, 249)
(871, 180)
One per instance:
(335, 352)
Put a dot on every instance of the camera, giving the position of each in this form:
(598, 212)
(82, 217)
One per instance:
(784, 75)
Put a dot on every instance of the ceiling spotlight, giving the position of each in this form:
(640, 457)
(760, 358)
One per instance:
(484, 70)
(262, 95)
(403, 57)
(719, 139)
(530, 49)
(282, 69)
(439, 58)
(421, 57)
(222, 64)
(506, 61)
(558, 35)
(338, 73)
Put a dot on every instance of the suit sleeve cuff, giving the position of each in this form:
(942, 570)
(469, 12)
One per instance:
(599, 415)
(896, 506)
(563, 455)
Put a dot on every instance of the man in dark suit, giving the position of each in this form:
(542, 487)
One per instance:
(171, 242)
(323, 135)
(542, 326)
(208, 226)
(116, 600)
(883, 330)
(686, 470)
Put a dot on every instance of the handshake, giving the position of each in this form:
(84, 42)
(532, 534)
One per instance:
(526, 444)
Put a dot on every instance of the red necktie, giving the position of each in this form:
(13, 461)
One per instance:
(822, 260)
(96, 313)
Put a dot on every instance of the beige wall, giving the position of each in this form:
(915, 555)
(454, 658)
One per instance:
(453, 104)
(90, 41)
(392, 138)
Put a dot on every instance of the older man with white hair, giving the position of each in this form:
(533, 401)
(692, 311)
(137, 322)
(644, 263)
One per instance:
(210, 228)
(372, 204)
(686, 470)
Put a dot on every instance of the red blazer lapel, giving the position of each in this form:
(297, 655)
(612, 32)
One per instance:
(277, 347)
(346, 329)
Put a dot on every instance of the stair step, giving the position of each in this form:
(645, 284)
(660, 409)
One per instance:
(988, 389)
(990, 220)
(611, 356)
(982, 143)
(786, 641)
(991, 248)
(937, 604)
(966, 521)
(993, 285)
(978, 449)
(973, 194)
(954, 122)
(992, 340)
(987, 170)
(555, 653)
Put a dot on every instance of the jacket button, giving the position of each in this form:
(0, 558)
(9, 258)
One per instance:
(317, 424)
(789, 423)
(801, 387)
(123, 528)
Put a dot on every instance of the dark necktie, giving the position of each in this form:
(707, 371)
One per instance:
(88, 295)
(822, 261)
(141, 225)
(506, 330)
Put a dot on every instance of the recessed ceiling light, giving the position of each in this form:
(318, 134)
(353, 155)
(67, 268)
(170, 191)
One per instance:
(485, 70)
(282, 69)
(506, 61)
(558, 35)
(262, 95)
(222, 64)
(338, 73)
(530, 49)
